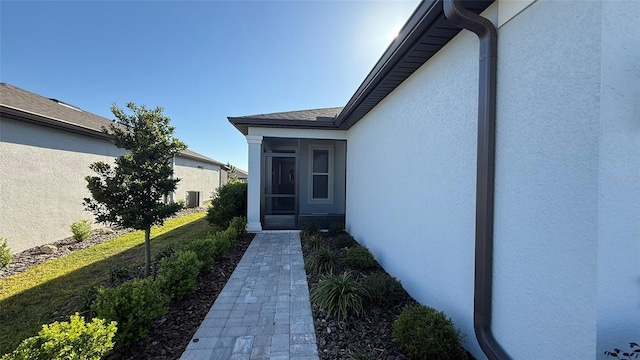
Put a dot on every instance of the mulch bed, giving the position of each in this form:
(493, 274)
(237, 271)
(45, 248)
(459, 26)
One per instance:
(368, 335)
(168, 337)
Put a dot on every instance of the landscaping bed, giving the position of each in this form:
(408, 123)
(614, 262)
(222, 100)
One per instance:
(357, 337)
(169, 337)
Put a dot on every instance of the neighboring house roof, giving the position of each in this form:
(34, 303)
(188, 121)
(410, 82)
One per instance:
(424, 34)
(241, 174)
(305, 119)
(20, 104)
(194, 155)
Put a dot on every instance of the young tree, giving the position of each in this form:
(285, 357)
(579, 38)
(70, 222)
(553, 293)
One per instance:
(131, 193)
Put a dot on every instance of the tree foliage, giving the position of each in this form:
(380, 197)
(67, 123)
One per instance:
(130, 194)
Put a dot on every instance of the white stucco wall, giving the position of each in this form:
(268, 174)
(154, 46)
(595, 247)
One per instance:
(42, 183)
(619, 178)
(205, 179)
(567, 196)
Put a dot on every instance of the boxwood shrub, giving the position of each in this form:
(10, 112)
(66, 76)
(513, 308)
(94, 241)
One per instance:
(68, 340)
(426, 333)
(360, 257)
(134, 305)
(178, 274)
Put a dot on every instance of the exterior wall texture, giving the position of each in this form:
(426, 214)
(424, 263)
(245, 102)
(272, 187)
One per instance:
(42, 182)
(195, 176)
(567, 211)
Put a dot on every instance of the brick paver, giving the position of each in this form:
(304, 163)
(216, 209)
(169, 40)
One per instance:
(263, 312)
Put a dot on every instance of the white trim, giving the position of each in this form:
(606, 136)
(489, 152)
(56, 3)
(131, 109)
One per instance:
(298, 133)
(254, 227)
(254, 139)
(330, 174)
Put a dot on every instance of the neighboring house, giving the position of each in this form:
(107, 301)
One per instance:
(540, 261)
(46, 147)
(241, 175)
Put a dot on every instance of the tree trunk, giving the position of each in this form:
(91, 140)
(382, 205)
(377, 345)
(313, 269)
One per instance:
(147, 251)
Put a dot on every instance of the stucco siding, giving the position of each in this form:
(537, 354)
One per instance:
(195, 176)
(42, 183)
(567, 195)
(546, 199)
(417, 217)
(619, 182)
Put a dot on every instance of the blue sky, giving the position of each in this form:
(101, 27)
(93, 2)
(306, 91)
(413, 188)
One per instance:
(200, 60)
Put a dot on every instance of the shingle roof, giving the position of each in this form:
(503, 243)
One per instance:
(305, 119)
(26, 101)
(27, 106)
(306, 115)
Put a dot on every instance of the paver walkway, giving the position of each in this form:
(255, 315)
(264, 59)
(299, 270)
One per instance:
(263, 312)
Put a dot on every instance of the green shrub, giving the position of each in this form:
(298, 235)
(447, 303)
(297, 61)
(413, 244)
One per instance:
(75, 340)
(231, 234)
(182, 203)
(322, 261)
(81, 230)
(5, 253)
(343, 241)
(383, 289)
(229, 201)
(222, 242)
(338, 295)
(134, 305)
(177, 274)
(336, 228)
(426, 333)
(239, 224)
(205, 249)
(360, 257)
(314, 242)
(310, 230)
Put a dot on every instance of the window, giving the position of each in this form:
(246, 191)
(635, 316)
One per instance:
(321, 179)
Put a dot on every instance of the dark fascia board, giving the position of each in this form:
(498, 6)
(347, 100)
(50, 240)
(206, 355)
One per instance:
(243, 123)
(415, 30)
(26, 116)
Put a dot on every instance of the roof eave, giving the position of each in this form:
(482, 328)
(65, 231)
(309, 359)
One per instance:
(30, 117)
(412, 40)
(243, 124)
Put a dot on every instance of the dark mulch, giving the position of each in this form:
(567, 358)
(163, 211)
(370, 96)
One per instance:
(168, 337)
(369, 334)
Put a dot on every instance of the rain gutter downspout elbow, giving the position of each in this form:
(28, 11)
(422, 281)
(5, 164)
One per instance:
(488, 35)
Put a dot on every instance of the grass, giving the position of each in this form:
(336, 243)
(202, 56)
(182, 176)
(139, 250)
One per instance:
(53, 290)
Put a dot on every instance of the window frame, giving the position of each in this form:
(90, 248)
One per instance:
(329, 174)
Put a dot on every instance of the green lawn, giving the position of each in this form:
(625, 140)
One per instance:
(53, 290)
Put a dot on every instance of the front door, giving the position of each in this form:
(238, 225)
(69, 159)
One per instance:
(280, 192)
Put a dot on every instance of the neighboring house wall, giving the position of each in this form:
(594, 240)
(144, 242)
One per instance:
(195, 176)
(42, 183)
(567, 208)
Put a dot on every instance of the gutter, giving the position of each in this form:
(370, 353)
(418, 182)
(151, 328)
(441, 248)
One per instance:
(488, 35)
